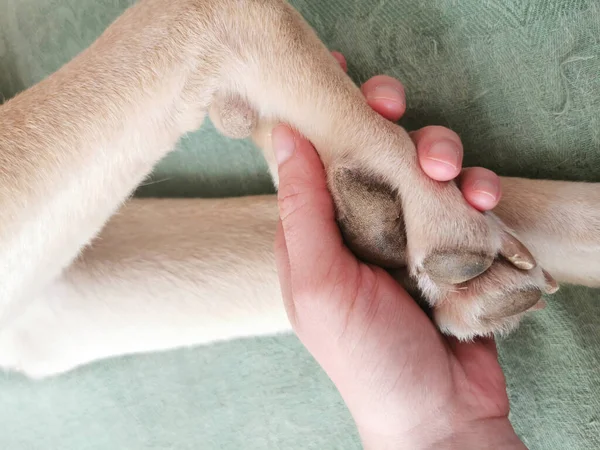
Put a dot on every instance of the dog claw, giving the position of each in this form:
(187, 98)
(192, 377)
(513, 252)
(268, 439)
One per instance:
(515, 252)
(551, 284)
(515, 302)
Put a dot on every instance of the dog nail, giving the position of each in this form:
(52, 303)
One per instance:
(515, 302)
(514, 251)
(551, 283)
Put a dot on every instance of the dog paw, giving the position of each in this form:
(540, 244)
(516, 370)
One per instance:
(473, 272)
(471, 293)
(493, 302)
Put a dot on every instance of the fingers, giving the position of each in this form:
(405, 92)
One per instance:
(440, 152)
(386, 96)
(439, 149)
(480, 187)
(312, 238)
(340, 58)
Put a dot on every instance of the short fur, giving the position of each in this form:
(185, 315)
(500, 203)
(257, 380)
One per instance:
(87, 274)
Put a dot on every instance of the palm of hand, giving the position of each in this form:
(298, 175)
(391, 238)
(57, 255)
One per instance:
(402, 368)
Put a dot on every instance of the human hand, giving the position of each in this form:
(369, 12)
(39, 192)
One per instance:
(406, 385)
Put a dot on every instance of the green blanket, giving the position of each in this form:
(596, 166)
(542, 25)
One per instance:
(518, 80)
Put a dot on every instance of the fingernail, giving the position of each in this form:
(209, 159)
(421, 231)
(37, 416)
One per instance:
(386, 92)
(284, 143)
(514, 250)
(445, 152)
(487, 188)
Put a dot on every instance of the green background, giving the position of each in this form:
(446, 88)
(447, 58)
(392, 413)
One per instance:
(518, 80)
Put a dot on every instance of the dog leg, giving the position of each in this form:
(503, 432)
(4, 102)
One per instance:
(173, 273)
(163, 274)
(559, 221)
(75, 145)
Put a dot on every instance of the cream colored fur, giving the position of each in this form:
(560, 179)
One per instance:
(171, 273)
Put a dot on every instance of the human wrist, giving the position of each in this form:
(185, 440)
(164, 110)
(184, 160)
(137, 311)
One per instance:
(496, 433)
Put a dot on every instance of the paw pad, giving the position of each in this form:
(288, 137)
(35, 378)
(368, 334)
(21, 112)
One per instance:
(456, 267)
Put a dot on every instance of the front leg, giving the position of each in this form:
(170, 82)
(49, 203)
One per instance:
(469, 266)
(74, 147)
(370, 215)
(78, 143)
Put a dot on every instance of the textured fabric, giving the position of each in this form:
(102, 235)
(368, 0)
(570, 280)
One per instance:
(518, 80)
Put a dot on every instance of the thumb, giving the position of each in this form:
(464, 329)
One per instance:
(312, 238)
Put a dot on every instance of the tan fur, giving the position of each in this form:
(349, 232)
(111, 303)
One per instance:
(163, 274)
